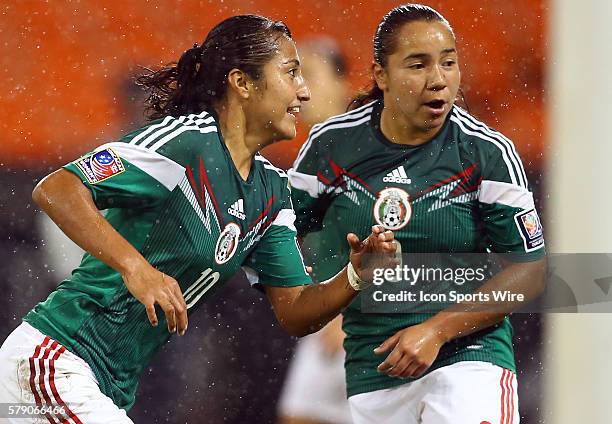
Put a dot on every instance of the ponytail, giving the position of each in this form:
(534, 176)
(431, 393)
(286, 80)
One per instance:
(365, 96)
(175, 89)
(198, 81)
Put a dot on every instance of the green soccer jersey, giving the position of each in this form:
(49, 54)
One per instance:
(465, 190)
(172, 190)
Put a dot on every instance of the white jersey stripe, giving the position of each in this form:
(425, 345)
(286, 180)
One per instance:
(491, 192)
(355, 113)
(151, 129)
(327, 128)
(492, 132)
(180, 130)
(163, 169)
(285, 218)
(352, 115)
(511, 170)
(188, 192)
(156, 130)
(305, 182)
(181, 121)
(476, 125)
(268, 165)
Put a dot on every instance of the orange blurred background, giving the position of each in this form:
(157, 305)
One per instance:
(65, 64)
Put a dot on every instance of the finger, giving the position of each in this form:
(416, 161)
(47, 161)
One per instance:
(170, 314)
(400, 367)
(420, 371)
(377, 229)
(150, 308)
(388, 344)
(180, 309)
(354, 242)
(390, 362)
(411, 369)
(386, 236)
(175, 296)
(309, 269)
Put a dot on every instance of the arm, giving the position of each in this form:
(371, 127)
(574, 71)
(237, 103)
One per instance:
(415, 348)
(303, 310)
(70, 205)
(506, 206)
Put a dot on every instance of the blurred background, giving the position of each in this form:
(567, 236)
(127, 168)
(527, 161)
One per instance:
(66, 81)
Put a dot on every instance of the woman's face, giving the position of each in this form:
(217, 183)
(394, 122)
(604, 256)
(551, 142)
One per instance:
(421, 78)
(281, 91)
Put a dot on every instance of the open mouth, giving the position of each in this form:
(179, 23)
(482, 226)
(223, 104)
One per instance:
(436, 104)
(293, 110)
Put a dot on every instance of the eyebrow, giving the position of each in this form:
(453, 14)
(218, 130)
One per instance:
(292, 61)
(423, 55)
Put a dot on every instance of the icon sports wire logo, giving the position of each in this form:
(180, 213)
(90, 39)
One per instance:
(398, 175)
(237, 209)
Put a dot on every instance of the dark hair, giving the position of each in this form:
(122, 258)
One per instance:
(199, 79)
(385, 41)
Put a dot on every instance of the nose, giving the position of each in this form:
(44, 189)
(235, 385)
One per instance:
(303, 92)
(436, 81)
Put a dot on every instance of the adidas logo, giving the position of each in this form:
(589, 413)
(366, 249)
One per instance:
(398, 175)
(237, 209)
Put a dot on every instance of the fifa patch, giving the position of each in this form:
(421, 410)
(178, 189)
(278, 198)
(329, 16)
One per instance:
(227, 243)
(392, 209)
(100, 166)
(530, 229)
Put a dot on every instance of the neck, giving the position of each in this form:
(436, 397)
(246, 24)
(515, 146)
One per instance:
(241, 146)
(398, 129)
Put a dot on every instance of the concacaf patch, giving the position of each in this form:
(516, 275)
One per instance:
(530, 228)
(100, 166)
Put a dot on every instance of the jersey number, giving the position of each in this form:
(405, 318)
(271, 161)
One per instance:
(195, 291)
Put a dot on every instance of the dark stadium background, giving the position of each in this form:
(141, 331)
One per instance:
(66, 70)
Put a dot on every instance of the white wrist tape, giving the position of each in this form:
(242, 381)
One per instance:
(354, 280)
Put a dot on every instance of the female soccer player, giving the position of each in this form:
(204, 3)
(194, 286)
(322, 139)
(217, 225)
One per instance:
(407, 158)
(188, 202)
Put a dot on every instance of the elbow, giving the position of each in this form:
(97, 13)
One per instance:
(40, 195)
(298, 329)
(536, 277)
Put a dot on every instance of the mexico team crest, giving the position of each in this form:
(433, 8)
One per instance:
(227, 243)
(392, 209)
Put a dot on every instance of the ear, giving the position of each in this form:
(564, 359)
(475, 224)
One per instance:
(240, 83)
(380, 76)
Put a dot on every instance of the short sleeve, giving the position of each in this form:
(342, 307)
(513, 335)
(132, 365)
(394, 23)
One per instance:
(511, 222)
(122, 175)
(277, 260)
(306, 189)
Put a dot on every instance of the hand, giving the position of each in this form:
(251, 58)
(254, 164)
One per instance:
(150, 286)
(376, 251)
(414, 350)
